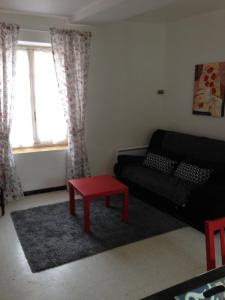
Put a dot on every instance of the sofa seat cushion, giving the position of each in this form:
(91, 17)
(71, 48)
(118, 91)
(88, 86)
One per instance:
(170, 187)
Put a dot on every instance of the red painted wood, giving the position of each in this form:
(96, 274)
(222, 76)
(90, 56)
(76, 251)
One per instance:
(98, 186)
(93, 187)
(86, 214)
(211, 227)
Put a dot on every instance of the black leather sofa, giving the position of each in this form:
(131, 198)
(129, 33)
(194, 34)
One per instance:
(190, 202)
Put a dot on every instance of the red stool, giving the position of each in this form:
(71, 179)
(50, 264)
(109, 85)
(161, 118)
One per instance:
(211, 227)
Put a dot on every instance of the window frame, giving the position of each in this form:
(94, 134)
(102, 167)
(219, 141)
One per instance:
(38, 146)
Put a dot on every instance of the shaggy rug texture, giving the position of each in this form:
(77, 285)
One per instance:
(50, 236)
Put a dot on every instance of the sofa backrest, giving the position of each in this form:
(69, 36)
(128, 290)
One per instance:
(196, 149)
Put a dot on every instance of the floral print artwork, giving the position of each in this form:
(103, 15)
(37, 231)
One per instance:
(9, 180)
(71, 57)
(209, 89)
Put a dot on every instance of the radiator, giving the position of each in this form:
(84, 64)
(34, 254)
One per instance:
(138, 150)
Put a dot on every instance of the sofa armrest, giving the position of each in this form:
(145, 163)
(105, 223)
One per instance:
(208, 200)
(123, 160)
(210, 191)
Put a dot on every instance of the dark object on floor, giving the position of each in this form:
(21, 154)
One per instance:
(50, 236)
(2, 202)
(191, 202)
(199, 284)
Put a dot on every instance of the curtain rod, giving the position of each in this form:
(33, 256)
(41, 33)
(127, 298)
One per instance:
(47, 31)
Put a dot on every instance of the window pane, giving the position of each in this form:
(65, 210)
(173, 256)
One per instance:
(51, 125)
(22, 130)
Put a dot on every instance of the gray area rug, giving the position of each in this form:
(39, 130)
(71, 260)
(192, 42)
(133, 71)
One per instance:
(50, 236)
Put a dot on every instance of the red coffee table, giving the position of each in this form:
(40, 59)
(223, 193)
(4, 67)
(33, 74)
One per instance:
(93, 187)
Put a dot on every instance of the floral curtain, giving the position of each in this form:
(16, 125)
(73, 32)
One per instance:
(71, 50)
(9, 181)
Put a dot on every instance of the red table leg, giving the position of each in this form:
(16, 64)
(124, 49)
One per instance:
(107, 198)
(86, 214)
(125, 207)
(72, 199)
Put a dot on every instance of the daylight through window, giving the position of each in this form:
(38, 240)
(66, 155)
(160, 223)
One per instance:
(38, 117)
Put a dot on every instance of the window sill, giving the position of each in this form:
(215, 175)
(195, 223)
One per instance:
(39, 149)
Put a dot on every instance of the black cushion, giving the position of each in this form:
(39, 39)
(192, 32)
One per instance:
(157, 182)
(160, 163)
(193, 173)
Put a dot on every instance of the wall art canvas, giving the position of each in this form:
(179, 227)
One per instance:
(209, 89)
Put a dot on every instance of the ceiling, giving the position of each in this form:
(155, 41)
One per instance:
(105, 11)
(180, 9)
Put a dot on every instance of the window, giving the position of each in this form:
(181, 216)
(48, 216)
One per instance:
(38, 117)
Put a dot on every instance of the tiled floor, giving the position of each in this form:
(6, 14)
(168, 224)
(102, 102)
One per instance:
(129, 272)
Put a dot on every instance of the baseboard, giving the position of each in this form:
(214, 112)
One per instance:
(47, 190)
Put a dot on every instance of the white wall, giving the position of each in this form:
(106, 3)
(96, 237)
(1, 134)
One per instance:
(126, 69)
(41, 169)
(191, 41)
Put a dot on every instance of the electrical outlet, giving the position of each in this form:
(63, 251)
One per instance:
(161, 92)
